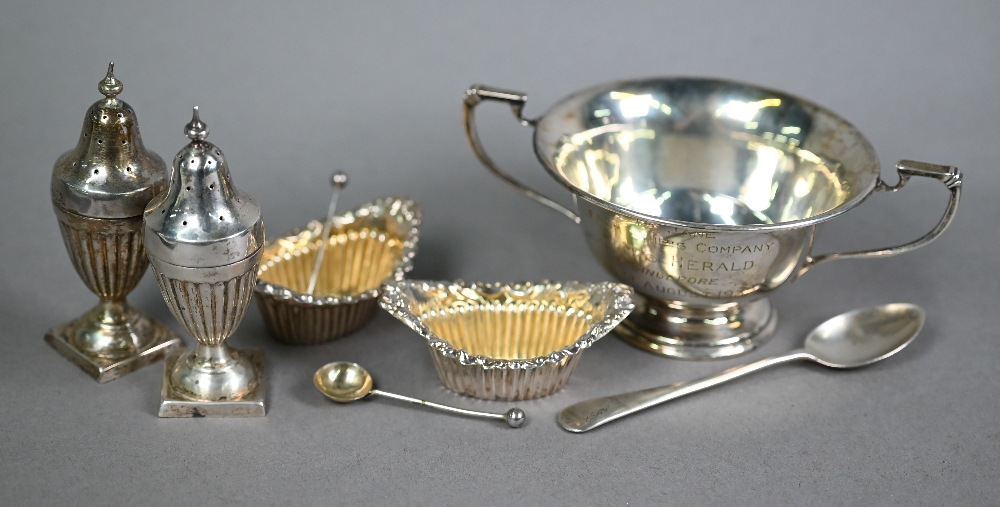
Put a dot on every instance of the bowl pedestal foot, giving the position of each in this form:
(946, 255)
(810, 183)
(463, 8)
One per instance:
(687, 331)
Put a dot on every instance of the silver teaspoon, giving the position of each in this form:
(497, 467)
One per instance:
(849, 340)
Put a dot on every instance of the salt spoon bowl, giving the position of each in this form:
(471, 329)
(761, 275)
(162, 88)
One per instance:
(849, 340)
(345, 382)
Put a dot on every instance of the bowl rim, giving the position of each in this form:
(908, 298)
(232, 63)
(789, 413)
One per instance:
(406, 213)
(396, 302)
(577, 192)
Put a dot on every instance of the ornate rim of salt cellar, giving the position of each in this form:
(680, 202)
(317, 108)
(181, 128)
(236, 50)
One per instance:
(407, 215)
(397, 297)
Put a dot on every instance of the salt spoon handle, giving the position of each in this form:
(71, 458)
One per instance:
(514, 417)
(339, 181)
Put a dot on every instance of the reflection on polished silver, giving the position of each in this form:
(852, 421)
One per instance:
(204, 239)
(98, 192)
(704, 195)
(346, 382)
(849, 340)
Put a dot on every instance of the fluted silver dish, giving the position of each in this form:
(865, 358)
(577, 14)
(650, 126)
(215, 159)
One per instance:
(368, 246)
(514, 341)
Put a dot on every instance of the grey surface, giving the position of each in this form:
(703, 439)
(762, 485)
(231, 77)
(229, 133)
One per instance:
(292, 91)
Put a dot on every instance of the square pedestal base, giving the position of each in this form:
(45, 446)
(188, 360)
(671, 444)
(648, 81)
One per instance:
(106, 370)
(251, 406)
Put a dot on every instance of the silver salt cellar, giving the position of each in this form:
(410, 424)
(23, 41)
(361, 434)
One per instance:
(204, 239)
(99, 191)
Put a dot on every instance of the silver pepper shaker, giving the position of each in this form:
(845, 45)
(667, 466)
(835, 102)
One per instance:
(204, 237)
(99, 191)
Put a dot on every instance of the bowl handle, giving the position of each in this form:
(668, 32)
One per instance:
(479, 93)
(951, 177)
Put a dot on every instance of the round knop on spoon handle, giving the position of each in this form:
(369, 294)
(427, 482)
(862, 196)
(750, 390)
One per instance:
(514, 417)
(590, 414)
(339, 180)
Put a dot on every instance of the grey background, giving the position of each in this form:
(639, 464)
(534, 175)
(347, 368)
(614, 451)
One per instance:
(293, 90)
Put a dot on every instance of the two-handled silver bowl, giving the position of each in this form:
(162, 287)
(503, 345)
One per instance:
(704, 195)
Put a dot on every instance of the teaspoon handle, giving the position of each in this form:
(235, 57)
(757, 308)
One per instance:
(446, 408)
(587, 415)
